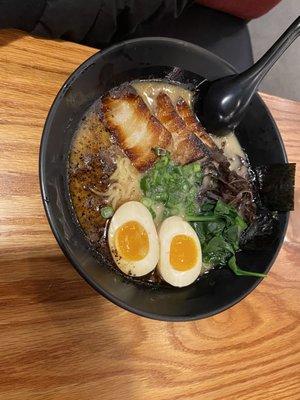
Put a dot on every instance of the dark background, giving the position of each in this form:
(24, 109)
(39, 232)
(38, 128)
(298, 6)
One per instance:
(99, 23)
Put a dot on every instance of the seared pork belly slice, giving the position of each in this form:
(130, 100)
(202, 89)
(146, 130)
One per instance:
(188, 116)
(133, 127)
(186, 145)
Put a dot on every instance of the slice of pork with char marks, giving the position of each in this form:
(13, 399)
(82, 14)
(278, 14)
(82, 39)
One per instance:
(188, 116)
(186, 145)
(133, 127)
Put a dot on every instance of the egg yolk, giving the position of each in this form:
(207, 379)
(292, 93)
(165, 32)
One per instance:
(183, 252)
(132, 241)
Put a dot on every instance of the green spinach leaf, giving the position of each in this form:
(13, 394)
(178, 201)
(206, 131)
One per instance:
(217, 251)
(240, 272)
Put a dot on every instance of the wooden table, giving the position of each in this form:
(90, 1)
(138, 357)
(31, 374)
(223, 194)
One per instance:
(60, 340)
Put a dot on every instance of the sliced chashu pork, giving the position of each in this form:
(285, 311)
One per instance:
(186, 145)
(133, 126)
(186, 113)
(209, 146)
(137, 131)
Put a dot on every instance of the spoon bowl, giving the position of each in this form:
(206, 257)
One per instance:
(221, 104)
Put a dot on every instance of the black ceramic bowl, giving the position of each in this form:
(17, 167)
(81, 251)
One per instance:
(258, 134)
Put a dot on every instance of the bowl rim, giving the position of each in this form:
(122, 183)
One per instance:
(47, 206)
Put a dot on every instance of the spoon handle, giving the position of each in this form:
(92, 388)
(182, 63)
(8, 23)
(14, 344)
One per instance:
(265, 63)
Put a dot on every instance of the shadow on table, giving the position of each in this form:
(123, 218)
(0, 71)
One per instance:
(10, 35)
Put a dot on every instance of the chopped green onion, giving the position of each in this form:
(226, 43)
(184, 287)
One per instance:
(159, 151)
(201, 218)
(107, 212)
(197, 167)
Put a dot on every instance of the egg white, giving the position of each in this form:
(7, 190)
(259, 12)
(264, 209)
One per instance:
(171, 227)
(134, 211)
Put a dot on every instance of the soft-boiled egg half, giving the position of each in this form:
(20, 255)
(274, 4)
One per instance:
(180, 258)
(133, 239)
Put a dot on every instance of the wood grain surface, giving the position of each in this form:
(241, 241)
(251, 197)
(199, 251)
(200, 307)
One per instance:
(60, 340)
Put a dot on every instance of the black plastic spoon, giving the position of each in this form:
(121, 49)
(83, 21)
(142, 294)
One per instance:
(221, 104)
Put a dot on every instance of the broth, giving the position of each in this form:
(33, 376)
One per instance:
(86, 176)
(149, 90)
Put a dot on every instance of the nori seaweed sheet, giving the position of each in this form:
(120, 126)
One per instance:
(262, 232)
(276, 186)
